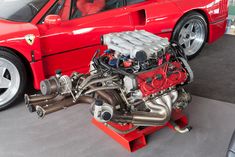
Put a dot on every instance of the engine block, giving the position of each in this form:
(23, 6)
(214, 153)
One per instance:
(158, 79)
(137, 81)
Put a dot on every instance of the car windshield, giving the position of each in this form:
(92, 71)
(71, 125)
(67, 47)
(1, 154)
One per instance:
(20, 10)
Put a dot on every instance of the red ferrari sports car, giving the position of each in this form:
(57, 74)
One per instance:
(39, 36)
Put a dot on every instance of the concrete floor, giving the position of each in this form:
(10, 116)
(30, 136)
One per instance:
(69, 133)
(214, 71)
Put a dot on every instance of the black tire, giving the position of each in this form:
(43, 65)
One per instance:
(180, 25)
(17, 62)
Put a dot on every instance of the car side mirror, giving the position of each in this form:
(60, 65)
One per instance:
(52, 20)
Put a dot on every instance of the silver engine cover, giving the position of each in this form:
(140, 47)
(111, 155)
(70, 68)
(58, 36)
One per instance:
(130, 42)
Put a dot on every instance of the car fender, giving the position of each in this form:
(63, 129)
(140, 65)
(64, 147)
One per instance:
(214, 9)
(23, 38)
(216, 12)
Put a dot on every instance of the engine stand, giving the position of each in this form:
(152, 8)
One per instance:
(136, 139)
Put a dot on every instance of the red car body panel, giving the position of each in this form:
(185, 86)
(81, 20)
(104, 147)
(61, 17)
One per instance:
(71, 45)
(12, 36)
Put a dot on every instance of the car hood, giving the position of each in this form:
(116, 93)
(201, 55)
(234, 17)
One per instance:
(15, 30)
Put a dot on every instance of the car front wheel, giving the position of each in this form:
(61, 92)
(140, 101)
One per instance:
(191, 33)
(12, 78)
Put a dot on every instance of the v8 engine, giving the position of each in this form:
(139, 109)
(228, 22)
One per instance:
(137, 80)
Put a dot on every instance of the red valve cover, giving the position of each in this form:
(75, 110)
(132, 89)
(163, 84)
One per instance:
(160, 78)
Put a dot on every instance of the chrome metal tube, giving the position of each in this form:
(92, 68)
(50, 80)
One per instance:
(181, 130)
(98, 81)
(150, 119)
(144, 118)
(32, 107)
(174, 95)
(88, 79)
(160, 113)
(100, 89)
(39, 100)
(42, 111)
(36, 98)
(81, 89)
(167, 100)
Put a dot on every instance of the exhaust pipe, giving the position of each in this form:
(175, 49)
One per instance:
(44, 105)
(181, 130)
(143, 118)
(32, 101)
(42, 111)
(51, 107)
(28, 99)
(160, 112)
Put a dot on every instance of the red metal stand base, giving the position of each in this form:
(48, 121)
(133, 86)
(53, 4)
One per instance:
(137, 139)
